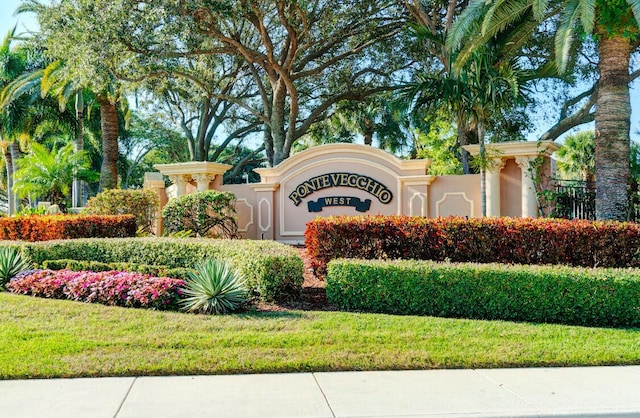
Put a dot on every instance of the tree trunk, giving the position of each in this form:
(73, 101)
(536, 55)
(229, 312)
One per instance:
(11, 209)
(109, 126)
(14, 150)
(77, 189)
(368, 137)
(277, 130)
(613, 115)
(483, 170)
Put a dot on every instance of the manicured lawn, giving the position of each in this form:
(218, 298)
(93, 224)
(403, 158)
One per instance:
(54, 338)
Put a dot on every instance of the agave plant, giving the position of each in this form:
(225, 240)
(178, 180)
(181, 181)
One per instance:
(12, 262)
(215, 288)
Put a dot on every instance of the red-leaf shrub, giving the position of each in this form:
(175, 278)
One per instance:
(486, 240)
(50, 227)
(143, 203)
(109, 288)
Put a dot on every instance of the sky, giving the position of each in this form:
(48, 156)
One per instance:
(28, 22)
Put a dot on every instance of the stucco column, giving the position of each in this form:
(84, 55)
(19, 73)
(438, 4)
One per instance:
(203, 180)
(529, 195)
(181, 183)
(413, 196)
(155, 182)
(493, 187)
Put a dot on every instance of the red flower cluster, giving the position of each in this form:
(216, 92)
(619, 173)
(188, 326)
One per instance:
(108, 287)
(50, 227)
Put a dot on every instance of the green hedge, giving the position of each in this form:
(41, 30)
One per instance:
(81, 265)
(273, 271)
(559, 294)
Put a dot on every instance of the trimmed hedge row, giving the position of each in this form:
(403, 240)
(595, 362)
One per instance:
(557, 294)
(142, 203)
(487, 240)
(273, 271)
(53, 227)
(82, 265)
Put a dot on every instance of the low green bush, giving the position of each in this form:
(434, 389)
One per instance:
(273, 271)
(80, 265)
(208, 213)
(75, 265)
(557, 294)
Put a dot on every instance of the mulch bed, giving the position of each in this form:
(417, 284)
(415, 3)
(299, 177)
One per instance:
(314, 296)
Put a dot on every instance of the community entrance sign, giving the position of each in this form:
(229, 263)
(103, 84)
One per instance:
(341, 179)
(349, 179)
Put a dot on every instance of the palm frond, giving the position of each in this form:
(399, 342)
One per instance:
(587, 10)
(635, 8)
(539, 9)
(20, 86)
(468, 19)
(504, 14)
(564, 34)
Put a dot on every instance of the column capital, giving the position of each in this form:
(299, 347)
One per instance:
(200, 177)
(203, 180)
(524, 162)
(180, 178)
(496, 164)
(180, 181)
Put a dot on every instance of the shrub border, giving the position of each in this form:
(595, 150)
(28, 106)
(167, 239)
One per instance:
(273, 271)
(556, 294)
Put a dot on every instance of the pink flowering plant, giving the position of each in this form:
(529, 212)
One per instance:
(117, 288)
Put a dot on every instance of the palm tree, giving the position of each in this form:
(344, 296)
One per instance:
(52, 81)
(613, 24)
(12, 64)
(576, 157)
(49, 174)
(74, 73)
(476, 91)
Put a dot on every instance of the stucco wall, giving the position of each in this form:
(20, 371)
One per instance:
(348, 179)
(511, 189)
(455, 196)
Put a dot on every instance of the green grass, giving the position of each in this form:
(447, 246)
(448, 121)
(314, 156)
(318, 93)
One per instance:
(54, 338)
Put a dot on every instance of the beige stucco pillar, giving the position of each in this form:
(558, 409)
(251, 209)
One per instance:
(155, 182)
(202, 172)
(265, 198)
(529, 195)
(414, 195)
(203, 180)
(180, 180)
(493, 187)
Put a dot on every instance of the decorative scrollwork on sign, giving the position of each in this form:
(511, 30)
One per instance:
(359, 205)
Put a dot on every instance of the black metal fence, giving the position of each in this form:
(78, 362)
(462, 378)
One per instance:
(574, 199)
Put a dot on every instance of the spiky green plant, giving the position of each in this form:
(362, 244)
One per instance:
(12, 262)
(215, 288)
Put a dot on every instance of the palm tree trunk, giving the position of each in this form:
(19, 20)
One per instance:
(11, 209)
(78, 198)
(109, 126)
(613, 115)
(483, 170)
(14, 150)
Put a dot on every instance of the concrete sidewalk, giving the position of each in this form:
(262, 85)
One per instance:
(535, 392)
